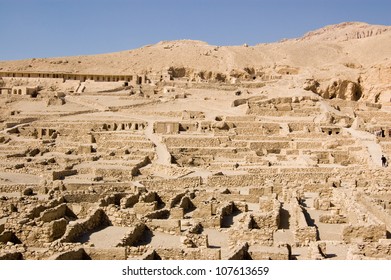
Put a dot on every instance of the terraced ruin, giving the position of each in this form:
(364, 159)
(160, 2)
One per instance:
(183, 150)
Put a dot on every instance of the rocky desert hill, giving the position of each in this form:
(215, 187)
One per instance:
(348, 60)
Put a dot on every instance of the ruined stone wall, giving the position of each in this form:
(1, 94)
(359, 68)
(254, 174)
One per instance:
(192, 240)
(371, 206)
(171, 226)
(129, 200)
(33, 234)
(99, 187)
(106, 254)
(363, 232)
(189, 254)
(303, 233)
(120, 217)
(133, 236)
(6, 188)
(116, 144)
(78, 197)
(240, 118)
(262, 130)
(235, 181)
(333, 219)
(173, 201)
(205, 153)
(158, 214)
(251, 236)
(61, 174)
(194, 141)
(142, 252)
(142, 208)
(259, 179)
(183, 183)
(370, 250)
(75, 229)
(269, 253)
(55, 213)
(302, 126)
(176, 213)
(363, 225)
(269, 145)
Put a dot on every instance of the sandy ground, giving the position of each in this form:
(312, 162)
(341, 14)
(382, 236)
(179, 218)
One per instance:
(105, 238)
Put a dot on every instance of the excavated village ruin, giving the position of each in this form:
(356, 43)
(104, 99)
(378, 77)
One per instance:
(182, 150)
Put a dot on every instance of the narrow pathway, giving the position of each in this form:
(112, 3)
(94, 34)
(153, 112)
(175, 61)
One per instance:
(87, 103)
(163, 156)
(6, 130)
(370, 142)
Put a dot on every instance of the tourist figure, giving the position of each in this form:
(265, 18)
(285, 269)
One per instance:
(384, 161)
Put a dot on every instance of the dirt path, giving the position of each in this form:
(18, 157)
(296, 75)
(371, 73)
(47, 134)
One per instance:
(87, 103)
(163, 156)
(369, 141)
(107, 237)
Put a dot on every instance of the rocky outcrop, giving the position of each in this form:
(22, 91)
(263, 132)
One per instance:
(342, 89)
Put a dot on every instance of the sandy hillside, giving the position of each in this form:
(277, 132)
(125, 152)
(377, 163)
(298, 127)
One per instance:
(352, 52)
(357, 43)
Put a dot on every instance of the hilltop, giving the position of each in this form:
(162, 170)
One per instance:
(351, 51)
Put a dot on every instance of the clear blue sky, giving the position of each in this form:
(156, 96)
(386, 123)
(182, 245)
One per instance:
(48, 28)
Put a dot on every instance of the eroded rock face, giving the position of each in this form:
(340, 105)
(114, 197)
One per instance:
(376, 83)
(342, 89)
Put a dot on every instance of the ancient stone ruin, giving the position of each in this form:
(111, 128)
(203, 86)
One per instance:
(272, 160)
